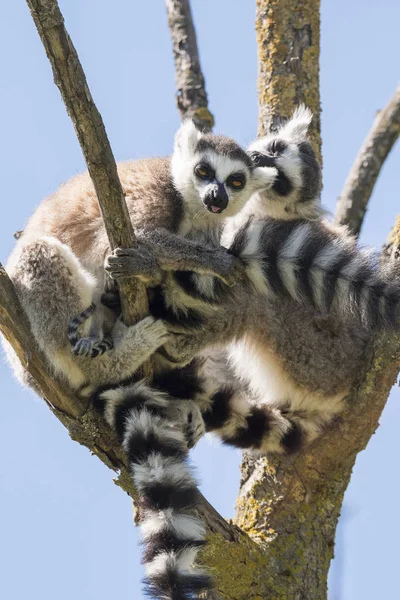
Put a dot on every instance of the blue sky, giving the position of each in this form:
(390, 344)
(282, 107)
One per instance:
(65, 529)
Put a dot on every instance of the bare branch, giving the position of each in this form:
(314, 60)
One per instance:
(191, 97)
(352, 204)
(71, 81)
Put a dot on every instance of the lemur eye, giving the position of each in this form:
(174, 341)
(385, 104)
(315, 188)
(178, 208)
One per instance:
(237, 181)
(204, 171)
(277, 147)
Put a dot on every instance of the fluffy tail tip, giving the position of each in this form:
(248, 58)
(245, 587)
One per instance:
(173, 583)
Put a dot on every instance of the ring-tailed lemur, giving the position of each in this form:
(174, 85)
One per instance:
(57, 265)
(57, 270)
(298, 355)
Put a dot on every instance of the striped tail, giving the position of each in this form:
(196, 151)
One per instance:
(265, 429)
(313, 262)
(158, 460)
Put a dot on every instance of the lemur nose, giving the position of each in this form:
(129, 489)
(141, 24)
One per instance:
(219, 192)
(216, 198)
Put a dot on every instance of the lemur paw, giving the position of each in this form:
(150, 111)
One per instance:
(178, 349)
(186, 416)
(234, 272)
(154, 331)
(92, 347)
(133, 262)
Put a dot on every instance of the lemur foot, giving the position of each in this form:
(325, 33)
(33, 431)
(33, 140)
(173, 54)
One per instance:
(92, 347)
(153, 332)
(179, 349)
(134, 262)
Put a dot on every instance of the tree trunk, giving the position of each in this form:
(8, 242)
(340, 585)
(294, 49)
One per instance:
(288, 40)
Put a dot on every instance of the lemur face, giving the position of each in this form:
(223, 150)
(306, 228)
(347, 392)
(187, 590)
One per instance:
(220, 181)
(213, 173)
(296, 189)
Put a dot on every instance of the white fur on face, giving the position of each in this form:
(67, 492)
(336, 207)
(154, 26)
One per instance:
(268, 202)
(193, 189)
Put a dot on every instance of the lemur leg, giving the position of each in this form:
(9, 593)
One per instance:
(53, 287)
(160, 250)
(181, 348)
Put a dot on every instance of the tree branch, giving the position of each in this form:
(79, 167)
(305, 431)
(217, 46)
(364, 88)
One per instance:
(71, 81)
(191, 97)
(352, 204)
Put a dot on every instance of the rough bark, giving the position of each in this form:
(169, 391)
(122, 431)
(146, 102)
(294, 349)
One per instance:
(288, 34)
(359, 185)
(191, 95)
(391, 248)
(71, 81)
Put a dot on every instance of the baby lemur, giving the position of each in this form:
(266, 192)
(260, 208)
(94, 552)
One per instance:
(57, 270)
(299, 323)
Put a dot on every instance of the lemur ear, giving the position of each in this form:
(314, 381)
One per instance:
(297, 126)
(187, 137)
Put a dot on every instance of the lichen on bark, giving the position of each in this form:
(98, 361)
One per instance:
(288, 40)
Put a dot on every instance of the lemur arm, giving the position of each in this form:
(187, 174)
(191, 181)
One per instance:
(159, 250)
